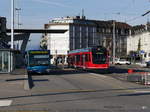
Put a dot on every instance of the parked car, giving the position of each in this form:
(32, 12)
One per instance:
(148, 64)
(122, 62)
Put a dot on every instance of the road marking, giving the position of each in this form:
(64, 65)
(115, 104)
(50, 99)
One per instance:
(141, 91)
(5, 103)
(144, 107)
(103, 76)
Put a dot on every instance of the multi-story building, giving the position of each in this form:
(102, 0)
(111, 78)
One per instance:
(82, 33)
(105, 35)
(139, 41)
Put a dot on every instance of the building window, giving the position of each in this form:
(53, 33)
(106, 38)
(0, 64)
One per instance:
(103, 30)
(108, 31)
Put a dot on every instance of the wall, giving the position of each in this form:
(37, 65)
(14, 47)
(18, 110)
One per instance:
(133, 41)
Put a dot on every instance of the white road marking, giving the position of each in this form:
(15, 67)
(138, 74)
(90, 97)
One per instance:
(98, 75)
(144, 107)
(141, 91)
(5, 103)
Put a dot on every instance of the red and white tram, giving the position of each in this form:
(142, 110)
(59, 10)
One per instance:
(89, 58)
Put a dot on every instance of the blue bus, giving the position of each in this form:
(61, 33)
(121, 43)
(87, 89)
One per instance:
(38, 61)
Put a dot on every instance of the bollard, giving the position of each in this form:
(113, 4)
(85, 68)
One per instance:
(28, 83)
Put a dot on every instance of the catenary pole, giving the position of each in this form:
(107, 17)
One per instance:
(114, 42)
(12, 24)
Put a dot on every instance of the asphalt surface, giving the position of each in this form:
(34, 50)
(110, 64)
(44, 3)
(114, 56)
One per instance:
(76, 91)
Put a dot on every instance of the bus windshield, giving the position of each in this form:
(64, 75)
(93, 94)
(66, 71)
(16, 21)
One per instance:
(38, 62)
(38, 59)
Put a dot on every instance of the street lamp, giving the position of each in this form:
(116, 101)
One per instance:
(18, 14)
(12, 24)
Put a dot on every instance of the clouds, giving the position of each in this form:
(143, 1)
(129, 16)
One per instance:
(48, 2)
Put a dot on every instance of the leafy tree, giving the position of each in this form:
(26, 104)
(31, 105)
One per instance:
(139, 45)
(43, 43)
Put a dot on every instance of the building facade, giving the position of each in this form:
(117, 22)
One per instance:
(82, 33)
(139, 41)
(105, 35)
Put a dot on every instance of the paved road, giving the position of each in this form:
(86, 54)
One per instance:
(76, 91)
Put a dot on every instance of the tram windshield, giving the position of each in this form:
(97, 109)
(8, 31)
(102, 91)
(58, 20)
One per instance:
(99, 56)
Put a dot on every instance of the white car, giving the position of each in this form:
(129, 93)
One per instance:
(122, 62)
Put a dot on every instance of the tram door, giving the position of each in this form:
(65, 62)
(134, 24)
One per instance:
(4, 64)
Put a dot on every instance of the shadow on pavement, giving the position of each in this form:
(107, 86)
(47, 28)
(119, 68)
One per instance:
(16, 79)
(74, 91)
(40, 80)
(136, 94)
(62, 72)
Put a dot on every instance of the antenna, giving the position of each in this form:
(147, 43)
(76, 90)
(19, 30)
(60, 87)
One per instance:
(82, 12)
(83, 16)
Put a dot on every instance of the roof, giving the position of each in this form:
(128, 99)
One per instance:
(109, 24)
(97, 23)
(138, 27)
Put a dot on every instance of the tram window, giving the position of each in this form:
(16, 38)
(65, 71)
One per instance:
(78, 58)
(86, 57)
(89, 57)
(73, 59)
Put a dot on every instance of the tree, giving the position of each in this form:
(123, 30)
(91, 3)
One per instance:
(139, 45)
(43, 43)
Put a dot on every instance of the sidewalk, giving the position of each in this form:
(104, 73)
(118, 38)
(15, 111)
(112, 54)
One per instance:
(12, 84)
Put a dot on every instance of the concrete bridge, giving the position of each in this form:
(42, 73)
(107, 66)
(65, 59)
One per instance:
(24, 34)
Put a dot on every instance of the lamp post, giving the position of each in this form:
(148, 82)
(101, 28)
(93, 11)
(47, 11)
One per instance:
(114, 38)
(114, 42)
(12, 24)
(18, 14)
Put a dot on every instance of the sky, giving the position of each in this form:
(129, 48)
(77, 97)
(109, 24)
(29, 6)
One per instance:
(36, 13)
